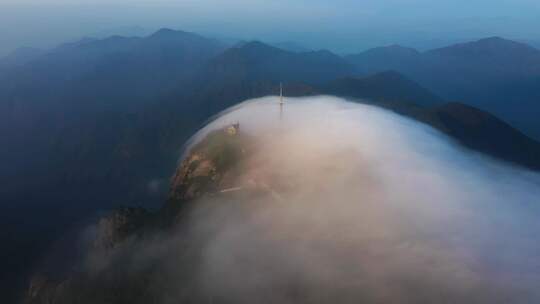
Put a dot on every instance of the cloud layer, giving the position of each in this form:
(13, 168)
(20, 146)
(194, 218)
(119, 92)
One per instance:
(372, 206)
(346, 203)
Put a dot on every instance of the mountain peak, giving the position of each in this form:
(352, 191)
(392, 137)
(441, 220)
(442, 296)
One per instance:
(168, 33)
(291, 46)
(392, 52)
(496, 39)
(165, 31)
(392, 57)
(488, 47)
(256, 44)
(258, 49)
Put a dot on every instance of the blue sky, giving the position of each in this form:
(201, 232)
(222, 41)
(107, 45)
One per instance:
(340, 25)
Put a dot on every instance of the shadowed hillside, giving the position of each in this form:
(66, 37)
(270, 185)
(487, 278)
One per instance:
(100, 123)
(497, 75)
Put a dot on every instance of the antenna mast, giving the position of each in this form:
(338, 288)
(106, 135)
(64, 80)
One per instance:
(281, 101)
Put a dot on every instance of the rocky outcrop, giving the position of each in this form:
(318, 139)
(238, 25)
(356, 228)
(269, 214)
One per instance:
(120, 224)
(43, 290)
(209, 167)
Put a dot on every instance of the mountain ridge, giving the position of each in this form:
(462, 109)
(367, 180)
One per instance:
(491, 46)
(119, 110)
(494, 74)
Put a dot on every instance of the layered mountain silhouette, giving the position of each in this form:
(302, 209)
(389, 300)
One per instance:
(291, 46)
(389, 86)
(494, 74)
(483, 132)
(473, 128)
(256, 61)
(99, 123)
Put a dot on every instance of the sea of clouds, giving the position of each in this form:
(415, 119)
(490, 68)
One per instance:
(354, 204)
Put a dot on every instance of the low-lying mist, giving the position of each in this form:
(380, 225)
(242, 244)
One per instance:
(354, 204)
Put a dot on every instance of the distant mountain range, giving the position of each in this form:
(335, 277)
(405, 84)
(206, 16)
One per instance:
(100, 123)
(384, 86)
(291, 46)
(256, 61)
(494, 74)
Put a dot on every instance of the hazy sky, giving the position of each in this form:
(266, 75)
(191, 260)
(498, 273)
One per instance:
(340, 25)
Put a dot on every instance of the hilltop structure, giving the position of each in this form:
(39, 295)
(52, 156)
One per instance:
(281, 102)
(233, 129)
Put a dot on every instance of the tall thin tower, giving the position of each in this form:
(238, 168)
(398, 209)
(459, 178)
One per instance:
(281, 103)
